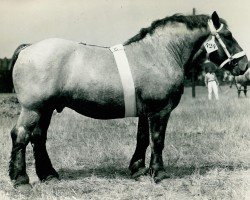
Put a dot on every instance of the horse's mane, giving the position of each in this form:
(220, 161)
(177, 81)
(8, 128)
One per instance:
(191, 21)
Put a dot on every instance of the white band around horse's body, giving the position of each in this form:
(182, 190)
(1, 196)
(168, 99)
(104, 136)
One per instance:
(215, 33)
(126, 79)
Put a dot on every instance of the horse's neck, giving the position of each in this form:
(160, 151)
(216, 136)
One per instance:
(182, 43)
(173, 44)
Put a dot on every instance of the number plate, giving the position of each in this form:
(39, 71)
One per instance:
(210, 46)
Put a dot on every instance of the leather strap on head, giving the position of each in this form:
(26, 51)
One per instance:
(235, 56)
(215, 32)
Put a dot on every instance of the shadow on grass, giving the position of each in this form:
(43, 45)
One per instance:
(103, 171)
(180, 172)
(113, 172)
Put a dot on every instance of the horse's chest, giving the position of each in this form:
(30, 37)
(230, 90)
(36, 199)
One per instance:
(159, 91)
(160, 86)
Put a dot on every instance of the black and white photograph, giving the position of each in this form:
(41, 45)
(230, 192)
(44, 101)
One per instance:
(124, 100)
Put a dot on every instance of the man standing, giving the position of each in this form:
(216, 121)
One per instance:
(211, 80)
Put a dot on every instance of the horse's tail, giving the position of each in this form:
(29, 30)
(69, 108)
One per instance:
(14, 58)
(15, 55)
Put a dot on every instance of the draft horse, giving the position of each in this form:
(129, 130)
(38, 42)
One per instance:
(241, 82)
(56, 73)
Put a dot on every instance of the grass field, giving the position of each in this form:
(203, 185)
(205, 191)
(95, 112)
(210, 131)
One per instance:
(207, 153)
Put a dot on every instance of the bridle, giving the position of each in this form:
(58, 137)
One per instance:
(215, 34)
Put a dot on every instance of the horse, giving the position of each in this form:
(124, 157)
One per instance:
(241, 82)
(56, 73)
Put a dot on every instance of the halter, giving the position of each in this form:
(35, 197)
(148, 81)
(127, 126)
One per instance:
(215, 34)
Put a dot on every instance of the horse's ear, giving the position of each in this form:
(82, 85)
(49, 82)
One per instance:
(216, 20)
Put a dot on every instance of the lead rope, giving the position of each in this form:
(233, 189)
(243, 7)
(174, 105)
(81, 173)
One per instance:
(93, 45)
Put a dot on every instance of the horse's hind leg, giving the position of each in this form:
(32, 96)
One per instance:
(44, 168)
(20, 135)
(137, 163)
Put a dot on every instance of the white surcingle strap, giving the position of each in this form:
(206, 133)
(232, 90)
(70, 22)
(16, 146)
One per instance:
(126, 79)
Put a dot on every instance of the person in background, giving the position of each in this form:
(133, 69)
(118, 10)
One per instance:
(211, 80)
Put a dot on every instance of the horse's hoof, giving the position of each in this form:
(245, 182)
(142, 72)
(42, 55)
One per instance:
(51, 179)
(141, 172)
(24, 188)
(160, 175)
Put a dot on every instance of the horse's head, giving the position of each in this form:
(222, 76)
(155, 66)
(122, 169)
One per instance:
(223, 49)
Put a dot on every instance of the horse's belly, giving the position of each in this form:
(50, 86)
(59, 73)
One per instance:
(98, 109)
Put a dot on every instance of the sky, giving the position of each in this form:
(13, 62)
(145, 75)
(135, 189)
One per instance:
(106, 22)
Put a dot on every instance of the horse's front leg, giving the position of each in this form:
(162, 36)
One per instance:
(157, 128)
(137, 163)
